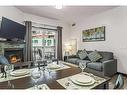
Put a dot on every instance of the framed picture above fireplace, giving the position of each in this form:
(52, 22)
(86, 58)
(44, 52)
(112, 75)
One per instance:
(94, 34)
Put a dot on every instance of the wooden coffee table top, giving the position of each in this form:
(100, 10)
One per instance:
(27, 82)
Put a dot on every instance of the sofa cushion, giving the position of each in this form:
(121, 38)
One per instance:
(87, 58)
(82, 61)
(82, 54)
(3, 60)
(94, 56)
(78, 53)
(73, 60)
(95, 65)
(106, 56)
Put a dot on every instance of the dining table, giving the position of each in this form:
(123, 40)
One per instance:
(50, 78)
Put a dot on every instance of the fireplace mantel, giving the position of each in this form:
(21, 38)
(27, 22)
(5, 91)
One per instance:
(13, 42)
(10, 44)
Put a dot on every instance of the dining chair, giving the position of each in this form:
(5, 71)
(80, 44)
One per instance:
(41, 62)
(23, 65)
(119, 82)
(2, 68)
(40, 53)
(2, 71)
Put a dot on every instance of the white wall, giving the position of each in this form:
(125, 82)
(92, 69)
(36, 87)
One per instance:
(11, 13)
(115, 21)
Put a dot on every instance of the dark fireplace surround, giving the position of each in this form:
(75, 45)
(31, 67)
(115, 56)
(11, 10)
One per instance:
(14, 55)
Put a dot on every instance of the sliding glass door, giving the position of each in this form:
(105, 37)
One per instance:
(44, 43)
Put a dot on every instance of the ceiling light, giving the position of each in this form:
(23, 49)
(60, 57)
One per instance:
(58, 6)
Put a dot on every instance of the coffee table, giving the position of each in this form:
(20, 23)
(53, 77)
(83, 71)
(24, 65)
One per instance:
(50, 80)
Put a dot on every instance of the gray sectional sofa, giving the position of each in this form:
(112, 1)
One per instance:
(106, 65)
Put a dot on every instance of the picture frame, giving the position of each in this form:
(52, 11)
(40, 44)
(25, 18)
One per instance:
(94, 34)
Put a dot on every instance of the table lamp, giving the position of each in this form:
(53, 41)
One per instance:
(68, 49)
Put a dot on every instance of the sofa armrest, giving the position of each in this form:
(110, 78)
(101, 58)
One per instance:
(110, 67)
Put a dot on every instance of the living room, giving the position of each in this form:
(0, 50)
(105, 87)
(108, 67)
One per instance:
(112, 21)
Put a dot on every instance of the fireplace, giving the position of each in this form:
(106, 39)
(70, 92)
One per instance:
(14, 55)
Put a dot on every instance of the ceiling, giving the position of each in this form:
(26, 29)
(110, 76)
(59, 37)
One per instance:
(69, 14)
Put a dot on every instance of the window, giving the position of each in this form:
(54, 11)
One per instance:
(34, 32)
(35, 41)
(44, 40)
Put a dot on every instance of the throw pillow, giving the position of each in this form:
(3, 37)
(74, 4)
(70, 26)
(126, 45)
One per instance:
(3, 60)
(83, 54)
(94, 56)
(78, 53)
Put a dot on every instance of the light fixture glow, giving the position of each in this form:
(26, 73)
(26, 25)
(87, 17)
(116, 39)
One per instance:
(58, 6)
